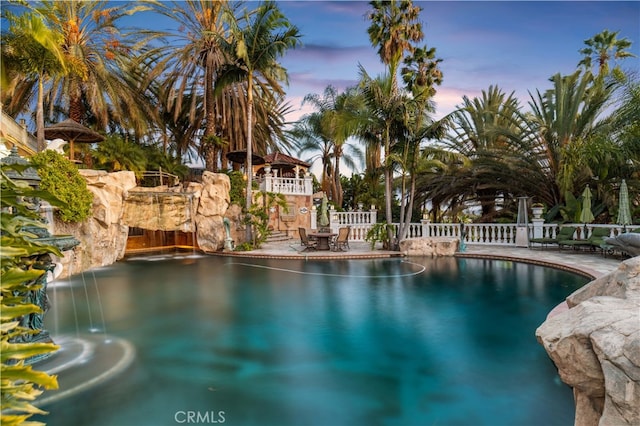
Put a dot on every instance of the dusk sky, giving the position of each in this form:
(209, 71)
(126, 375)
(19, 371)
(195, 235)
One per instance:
(515, 45)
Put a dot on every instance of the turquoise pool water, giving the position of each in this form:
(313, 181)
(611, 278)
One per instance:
(283, 342)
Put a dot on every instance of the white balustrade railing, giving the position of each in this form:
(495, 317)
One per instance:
(287, 186)
(503, 234)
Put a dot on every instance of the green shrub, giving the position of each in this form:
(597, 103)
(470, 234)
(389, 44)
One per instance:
(238, 187)
(61, 178)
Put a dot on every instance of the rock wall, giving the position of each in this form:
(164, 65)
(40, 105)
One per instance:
(118, 204)
(102, 237)
(433, 246)
(595, 345)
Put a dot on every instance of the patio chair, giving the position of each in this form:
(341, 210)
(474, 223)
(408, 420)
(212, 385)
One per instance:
(595, 240)
(565, 233)
(627, 243)
(305, 241)
(341, 242)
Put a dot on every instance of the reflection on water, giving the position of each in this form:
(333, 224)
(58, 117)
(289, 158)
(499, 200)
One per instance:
(293, 342)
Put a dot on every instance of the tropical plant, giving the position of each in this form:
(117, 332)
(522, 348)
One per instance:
(115, 154)
(94, 89)
(256, 47)
(338, 119)
(387, 120)
(309, 136)
(603, 48)
(258, 217)
(20, 384)
(35, 54)
(394, 29)
(59, 176)
(381, 233)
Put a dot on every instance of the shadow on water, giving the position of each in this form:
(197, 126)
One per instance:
(347, 342)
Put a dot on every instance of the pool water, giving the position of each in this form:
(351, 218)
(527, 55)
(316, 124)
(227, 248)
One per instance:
(223, 340)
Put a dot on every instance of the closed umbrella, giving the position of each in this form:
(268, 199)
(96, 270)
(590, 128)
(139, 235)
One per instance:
(624, 212)
(324, 217)
(586, 216)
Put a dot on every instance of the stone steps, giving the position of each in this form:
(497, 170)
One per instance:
(278, 236)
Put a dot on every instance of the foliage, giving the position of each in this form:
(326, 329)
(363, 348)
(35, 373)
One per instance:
(381, 232)
(116, 154)
(20, 384)
(258, 217)
(60, 177)
(236, 192)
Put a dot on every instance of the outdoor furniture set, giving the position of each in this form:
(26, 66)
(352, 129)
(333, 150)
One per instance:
(598, 240)
(325, 240)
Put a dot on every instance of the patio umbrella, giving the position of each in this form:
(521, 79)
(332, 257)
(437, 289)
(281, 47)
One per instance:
(241, 157)
(72, 131)
(324, 217)
(624, 212)
(586, 216)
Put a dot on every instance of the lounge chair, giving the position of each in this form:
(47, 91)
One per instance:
(565, 233)
(595, 240)
(341, 242)
(627, 243)
(305, 241)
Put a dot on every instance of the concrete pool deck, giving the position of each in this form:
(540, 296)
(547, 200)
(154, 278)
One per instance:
(589, 264)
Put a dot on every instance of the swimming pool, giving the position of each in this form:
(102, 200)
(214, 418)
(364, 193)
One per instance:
(444, 341)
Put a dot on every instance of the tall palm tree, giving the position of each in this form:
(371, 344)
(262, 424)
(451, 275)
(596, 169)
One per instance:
(339, 120)
(480, 133)
(604, 47)
(93, 89)
(35, 53)
(394, 29)
(388, 118)
(257, 47)
(421, 74)
(309, 134)
(565, 117)
(193, 70)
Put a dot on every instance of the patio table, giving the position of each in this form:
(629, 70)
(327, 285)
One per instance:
(323, 239)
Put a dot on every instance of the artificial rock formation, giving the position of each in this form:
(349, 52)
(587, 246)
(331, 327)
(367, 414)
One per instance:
(118, 204)
(433, 246)
(595, 345)
(214, 202)
(103, 237)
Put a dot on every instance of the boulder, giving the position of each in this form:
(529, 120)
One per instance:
(102, 237)
(595, 344)
(214, 202)
(429, 246)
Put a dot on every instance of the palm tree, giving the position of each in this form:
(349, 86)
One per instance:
(37, 52)
(480, 132)
(602, 48)
(565, 118)
(421, 74)
(388, 118)
(93, 89)
(309, 134)
(339, 120)
(394, 28)
(266, 36)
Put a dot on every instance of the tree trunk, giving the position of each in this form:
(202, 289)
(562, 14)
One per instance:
(249, 168)
(40, 116)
